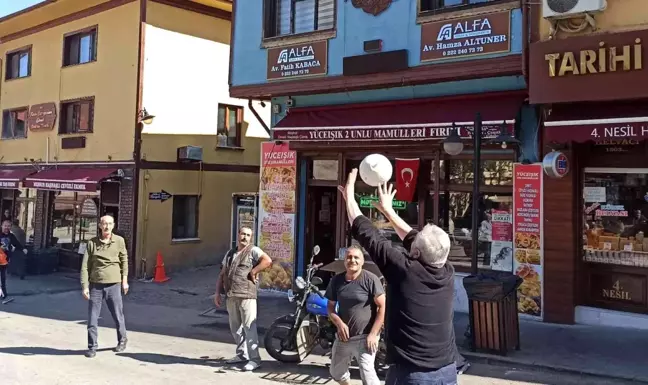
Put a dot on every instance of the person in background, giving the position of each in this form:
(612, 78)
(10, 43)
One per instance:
(8, 244)
(420, 334)
(19, 232)
(104, 274)
(359, 319)
(6, 215)
(238, 280)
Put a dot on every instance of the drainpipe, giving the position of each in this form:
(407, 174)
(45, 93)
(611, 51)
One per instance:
(256, 114)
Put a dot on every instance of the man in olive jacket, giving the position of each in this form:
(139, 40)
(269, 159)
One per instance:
(104, 274)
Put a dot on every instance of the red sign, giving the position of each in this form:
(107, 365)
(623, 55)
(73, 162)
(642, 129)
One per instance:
(527, 204)
(406, 177)
(421, 132)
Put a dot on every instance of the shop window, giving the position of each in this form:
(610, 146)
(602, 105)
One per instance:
(493, 172)
(615, 216)
(324, 169)
(230, 120)
(14, 124)
(291, 17)
(18, 64)
(185, 217)
(75, 218)
(80, 47)
(77, 117)
(25, 213)
(455, 217)
(450, 5)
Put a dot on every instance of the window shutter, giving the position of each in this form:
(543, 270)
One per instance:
(326, 14)
(304, 16)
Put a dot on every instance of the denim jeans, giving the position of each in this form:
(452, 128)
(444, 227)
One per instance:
(113, 296)
(406, 375)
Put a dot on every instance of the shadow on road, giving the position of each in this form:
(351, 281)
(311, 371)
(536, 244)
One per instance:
(269, 370)
(44, 351)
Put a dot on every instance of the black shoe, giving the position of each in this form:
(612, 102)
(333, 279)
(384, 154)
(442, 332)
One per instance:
(121, 346)
(91, 353)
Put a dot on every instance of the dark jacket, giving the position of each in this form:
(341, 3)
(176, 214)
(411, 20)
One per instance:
(236, 281)
(419, 319)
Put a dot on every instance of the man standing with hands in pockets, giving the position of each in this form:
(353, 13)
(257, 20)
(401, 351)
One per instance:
(104, 274)
(359, 319)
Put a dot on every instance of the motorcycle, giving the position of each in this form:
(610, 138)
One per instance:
(309, 325)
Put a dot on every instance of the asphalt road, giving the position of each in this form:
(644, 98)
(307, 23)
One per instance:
(42, 339)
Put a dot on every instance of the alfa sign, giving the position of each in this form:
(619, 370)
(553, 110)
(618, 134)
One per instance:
(465, 37)
(297, 61)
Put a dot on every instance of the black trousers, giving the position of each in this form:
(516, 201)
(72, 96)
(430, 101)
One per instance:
(112, 294)
(3, 279)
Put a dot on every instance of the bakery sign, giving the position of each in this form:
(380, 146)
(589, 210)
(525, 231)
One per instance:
(296, 61)
(466, 37)
(435, 131)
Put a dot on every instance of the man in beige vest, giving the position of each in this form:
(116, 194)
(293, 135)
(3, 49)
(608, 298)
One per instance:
(238, 280)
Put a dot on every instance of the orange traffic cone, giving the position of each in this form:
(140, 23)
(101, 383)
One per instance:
(160, 273)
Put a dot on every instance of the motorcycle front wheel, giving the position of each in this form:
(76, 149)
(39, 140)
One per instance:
(278, 344)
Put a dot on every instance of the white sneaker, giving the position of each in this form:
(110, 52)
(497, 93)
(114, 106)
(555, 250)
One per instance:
(250, 366)
(235, 360)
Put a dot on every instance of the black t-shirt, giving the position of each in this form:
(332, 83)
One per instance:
(356, 305)
(419, 318)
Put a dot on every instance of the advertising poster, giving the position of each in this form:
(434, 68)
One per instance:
(502, 245)
(528, 236)
(244, 213)
(277, 213)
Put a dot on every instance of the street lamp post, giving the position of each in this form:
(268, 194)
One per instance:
(453, 145)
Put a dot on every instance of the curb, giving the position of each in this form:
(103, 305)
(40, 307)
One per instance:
(490, 359)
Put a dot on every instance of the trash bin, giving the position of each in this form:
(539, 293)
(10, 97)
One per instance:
(492, 301)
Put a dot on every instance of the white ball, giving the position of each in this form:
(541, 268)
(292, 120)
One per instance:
(375, 169)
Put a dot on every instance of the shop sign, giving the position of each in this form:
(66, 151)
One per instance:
(381, 133)
(296, 61)
(160, 196)
(89, 208)
(276, 220)
(8, 184)
(61, 185)
(616, 287)
(588, 68)
(42, 117)
(366, 202)
(528, 236)
(466, 37)
(555, 164)
(611, 211)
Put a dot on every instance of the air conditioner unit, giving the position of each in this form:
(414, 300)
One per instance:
(558, 9)
(190, 154)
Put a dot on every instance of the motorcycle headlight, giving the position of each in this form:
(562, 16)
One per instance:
(300, 283)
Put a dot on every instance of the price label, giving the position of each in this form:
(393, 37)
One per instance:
(627, 247)
(607, 245)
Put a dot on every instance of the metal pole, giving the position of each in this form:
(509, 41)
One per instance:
(477, 133)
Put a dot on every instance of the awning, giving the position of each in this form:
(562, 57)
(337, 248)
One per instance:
(69, 179)
(11, 178)
(418, 119)
(617, 123)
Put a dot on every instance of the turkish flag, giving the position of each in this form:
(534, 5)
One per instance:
(406, 177)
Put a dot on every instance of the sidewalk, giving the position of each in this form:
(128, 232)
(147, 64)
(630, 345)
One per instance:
(53, 283)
